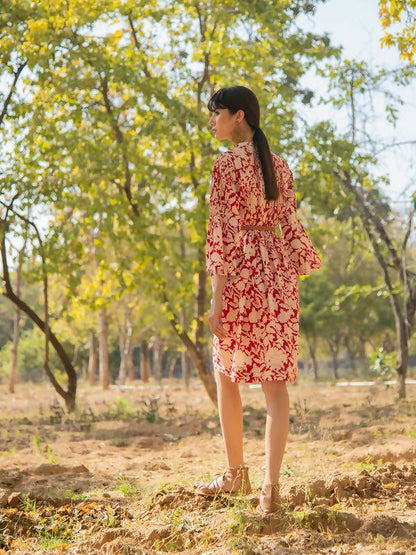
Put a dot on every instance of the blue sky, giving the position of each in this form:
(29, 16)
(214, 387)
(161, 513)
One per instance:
(355, 25)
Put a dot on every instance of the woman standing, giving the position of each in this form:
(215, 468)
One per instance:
(255, 309)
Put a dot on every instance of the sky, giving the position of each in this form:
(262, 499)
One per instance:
(355, 25)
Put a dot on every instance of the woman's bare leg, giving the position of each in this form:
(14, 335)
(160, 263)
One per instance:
(277, 428)
(231, 419)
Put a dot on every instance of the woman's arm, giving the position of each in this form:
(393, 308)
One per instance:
(214, 318)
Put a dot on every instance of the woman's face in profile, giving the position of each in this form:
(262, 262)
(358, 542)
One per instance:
(223, 124)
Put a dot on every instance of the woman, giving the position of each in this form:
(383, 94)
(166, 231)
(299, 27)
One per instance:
(255, 311)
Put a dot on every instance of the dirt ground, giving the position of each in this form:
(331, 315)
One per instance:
(117, 476)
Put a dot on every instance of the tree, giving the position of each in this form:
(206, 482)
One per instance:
(17, 324)
(69, 394)
(399, 14)
(351, 191)
(117, 132)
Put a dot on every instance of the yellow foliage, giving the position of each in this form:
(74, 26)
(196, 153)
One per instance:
(400, 14)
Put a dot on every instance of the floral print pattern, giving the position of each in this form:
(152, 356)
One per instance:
(260, 300)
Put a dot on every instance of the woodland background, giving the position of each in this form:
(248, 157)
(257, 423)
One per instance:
(104, 186)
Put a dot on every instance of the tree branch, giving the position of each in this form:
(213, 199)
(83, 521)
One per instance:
(371, 217)
(138, 45)
(119, 137)
(10, 94)
(393, 145)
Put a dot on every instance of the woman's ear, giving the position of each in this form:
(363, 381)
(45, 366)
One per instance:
(240, 115)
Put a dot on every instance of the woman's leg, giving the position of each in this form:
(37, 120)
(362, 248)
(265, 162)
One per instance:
(235, 478)
(231, 419)
(277, 428)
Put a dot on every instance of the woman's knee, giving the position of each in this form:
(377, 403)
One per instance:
(274, 389)
(224, 382)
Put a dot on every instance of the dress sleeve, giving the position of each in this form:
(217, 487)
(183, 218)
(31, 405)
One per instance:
(297, 242)
(222, 251)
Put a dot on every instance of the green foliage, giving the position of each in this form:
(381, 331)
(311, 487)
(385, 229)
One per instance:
(30, 359)
(383, 364)
(106, 144)
(120, 408)
(151, 410)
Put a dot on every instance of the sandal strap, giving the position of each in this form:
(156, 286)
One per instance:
(234, 480)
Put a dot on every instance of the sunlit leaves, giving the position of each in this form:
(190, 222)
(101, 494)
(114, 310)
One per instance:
(113, 140)
(398, 18)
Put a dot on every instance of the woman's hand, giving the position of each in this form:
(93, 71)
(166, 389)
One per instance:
(214, 320)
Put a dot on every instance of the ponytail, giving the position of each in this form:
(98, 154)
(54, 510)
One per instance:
(241, 98)
(261, 144)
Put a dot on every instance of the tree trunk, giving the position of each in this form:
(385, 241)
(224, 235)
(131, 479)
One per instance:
(334, 348)
(402, 357)
(184, 356)
(16, 323)
(125, 345)
(197, 349)
(92, 359)
(103, 349)
(351, 355)
(122, 371)
(157, 360)
(172, 364)
(311, 341)
(390, 259)
(130, 363)
(144, 361)
(186, 368)
(15, 348)
(70, 394)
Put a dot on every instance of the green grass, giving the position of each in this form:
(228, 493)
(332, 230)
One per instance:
(128, 488)
(411, 432)
(37, 442)
(368, 464)
(28, 505)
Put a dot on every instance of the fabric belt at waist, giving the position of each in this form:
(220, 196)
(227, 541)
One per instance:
(258, 227)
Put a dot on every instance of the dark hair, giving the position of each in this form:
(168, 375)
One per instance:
(241, 98)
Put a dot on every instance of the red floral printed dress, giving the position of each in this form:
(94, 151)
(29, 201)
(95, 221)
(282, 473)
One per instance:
(260, 300)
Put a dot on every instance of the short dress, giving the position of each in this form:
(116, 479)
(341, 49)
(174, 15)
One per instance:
(260, 300)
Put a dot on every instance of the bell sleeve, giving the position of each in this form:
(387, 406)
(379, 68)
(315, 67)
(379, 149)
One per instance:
(222, 250)
(297, 242)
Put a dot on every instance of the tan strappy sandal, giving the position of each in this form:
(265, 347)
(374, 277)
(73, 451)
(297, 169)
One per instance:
(269, 498)
(234, 480)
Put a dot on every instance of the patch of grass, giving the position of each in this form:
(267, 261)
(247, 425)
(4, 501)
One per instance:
(241, 520)
(53, 540)
(37, 442)
(120, 442)
(301, 408)
(151, 410)
(128, 488)
(411, 432)
(380, 434)
(286, 472)
(24, 421)
(121, 408)
(178, 534)
(368, 464)
(10, 453)
(110, 519)
(28, 505)
(51, 456)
